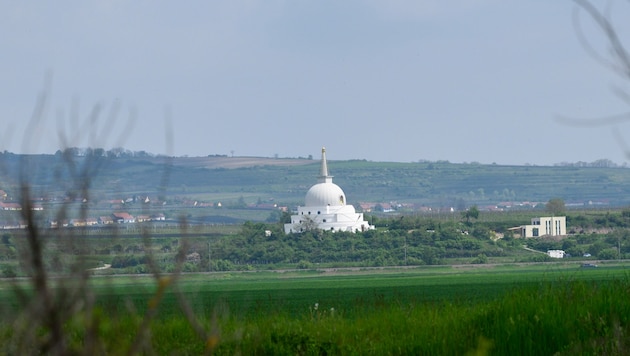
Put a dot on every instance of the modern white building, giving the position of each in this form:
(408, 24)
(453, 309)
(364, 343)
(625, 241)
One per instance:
(325, 208)
(545, 226)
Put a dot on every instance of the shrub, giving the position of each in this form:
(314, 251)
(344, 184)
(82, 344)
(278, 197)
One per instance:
(223, 265)
(8, 271)
(608, 254)
(480, 259)
(304, 265)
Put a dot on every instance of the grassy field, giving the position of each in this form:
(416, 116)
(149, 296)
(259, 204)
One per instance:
(504, 309)
(292, 292)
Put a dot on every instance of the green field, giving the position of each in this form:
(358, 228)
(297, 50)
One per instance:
(292, 292)
(504, 309)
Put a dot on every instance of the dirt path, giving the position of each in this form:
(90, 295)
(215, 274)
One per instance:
(105, 266)
(532, 250)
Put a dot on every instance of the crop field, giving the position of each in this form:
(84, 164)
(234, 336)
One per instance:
(350, 292)
(494, 309)
(523, 308)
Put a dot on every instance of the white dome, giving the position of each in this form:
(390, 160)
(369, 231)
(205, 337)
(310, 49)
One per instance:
(325, 194)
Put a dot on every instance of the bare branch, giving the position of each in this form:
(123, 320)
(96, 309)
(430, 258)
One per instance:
(594, 122)
(620, 60)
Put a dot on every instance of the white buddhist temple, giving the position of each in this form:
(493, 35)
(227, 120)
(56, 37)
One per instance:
(325, 208)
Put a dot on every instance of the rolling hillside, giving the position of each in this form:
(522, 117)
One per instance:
(285, 181)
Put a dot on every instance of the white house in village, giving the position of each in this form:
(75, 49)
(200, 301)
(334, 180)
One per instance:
(545, 226)
(325, 208)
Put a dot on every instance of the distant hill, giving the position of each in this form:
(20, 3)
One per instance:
(229, 162)
(285, 181)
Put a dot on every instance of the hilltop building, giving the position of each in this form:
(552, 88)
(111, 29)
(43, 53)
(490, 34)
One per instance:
(545, 226)
(325, 208)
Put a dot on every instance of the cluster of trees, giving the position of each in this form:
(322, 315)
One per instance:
(583, 222)
(418, 240)
(117, 152)
(600, 163)
(122, 261)
(403, 243)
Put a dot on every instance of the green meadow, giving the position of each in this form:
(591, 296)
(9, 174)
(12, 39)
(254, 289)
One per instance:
(347, 290)
(550, 308)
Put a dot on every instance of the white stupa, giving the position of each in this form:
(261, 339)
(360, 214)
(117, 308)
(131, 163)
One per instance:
(325, 208)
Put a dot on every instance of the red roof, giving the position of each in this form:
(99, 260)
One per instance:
(124, 216)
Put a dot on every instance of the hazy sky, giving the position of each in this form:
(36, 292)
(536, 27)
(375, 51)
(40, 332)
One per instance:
(460, 80)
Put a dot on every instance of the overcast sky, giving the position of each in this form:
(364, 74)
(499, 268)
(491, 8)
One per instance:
(462, 80)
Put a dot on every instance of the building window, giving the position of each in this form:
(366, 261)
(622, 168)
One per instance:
(535, 232)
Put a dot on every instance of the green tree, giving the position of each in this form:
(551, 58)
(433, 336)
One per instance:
(471, 213)
(555, 206)
(240, 203)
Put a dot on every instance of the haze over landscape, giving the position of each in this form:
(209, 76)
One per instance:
(481, 81)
